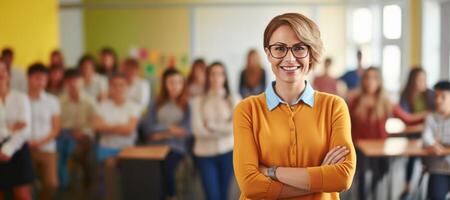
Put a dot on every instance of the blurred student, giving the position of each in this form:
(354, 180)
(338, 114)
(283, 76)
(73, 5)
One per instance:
(45, 127)
(196, 78)
(94, 85)
(18, 78)
(108, 62)
(138, 88)
(16, 172)
(115, 121)
(169, 122)
(352, 77)
(436, 137)
(55, 80)
(415, 98)
(253, 77)
(324, 82)
(213, 131)
(369, 110)
(56, 59)
(76, 138)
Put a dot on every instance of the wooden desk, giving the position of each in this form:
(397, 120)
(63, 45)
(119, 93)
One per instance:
(145, 152)
(142, 170)
(393, 147)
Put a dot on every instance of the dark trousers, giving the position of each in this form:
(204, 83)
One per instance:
(438, 186)
(172, 161)
(378, 166)
(216, 173)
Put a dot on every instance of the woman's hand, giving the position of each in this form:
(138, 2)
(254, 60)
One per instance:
(336, 155)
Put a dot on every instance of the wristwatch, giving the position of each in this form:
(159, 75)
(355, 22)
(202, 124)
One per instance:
(272, 172)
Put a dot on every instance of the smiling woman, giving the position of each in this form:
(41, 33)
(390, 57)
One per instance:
(292, 141)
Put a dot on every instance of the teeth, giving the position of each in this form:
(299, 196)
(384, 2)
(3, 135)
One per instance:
(290, 68)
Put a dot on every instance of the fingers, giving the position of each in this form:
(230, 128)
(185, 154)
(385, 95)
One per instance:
(327, 159)
(336, 155)
(340, 156)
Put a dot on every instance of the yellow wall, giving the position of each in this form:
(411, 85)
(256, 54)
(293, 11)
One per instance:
(164, 30)
(415, 40)
(30, 27)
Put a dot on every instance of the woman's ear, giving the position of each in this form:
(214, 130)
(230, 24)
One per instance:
(266, 50)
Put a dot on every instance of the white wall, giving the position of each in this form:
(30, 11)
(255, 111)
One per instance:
(71, 29)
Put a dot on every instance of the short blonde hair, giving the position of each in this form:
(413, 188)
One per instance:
(305, 29)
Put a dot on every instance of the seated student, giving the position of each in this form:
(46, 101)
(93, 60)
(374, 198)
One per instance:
(45, 127)
(138, 88)
(415, 98)
(16, 172)
(18, 78)
(436, 136)
(55, 81)
(76, 136)
(168, 122)
(115, 121)
(94, 84)
(369, 111)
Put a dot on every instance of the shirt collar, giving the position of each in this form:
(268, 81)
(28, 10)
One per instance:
(273, 100)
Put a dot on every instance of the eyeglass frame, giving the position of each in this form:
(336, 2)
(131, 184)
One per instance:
(289, 49)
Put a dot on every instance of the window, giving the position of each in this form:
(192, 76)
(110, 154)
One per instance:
(362, 25)
(392, 22)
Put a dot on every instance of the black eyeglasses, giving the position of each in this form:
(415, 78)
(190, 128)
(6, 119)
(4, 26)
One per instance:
(280, 51)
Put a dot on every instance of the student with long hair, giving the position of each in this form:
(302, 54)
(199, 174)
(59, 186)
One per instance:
(169, 122)
(95, 85)
(196, 78)
(369, 110)
(415, 98)
(16, 172)
(212, 127)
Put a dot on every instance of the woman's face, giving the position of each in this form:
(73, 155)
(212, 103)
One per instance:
(371, 82)
(421, 82)
(174, 85)
(216, 77)
(288, 69)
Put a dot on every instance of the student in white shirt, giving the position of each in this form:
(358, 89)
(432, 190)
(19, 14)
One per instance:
(138, 88)
(212, 128)
(95, 85)
(16, 173)
(45, 127)
(115, 119)
(18, 79)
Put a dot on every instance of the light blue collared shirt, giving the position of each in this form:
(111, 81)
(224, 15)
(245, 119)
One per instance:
(273, 100)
